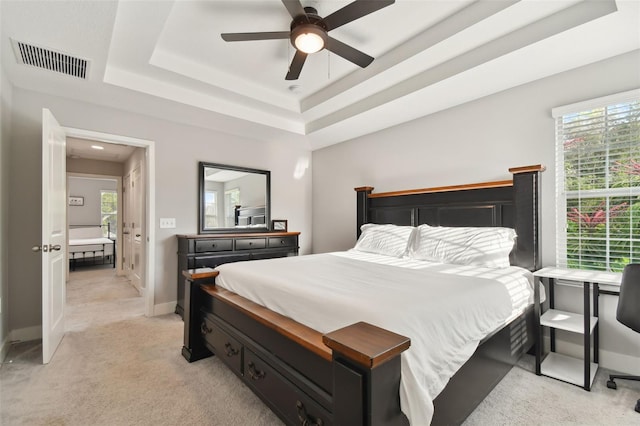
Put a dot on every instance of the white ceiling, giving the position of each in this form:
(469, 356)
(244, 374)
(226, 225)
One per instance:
(430, 55)
(84, 149)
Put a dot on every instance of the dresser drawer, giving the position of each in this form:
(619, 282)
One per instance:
(228, 349)
(210, 261)
(285, 397)
(282, 242)
(222, 244)
(250, 243)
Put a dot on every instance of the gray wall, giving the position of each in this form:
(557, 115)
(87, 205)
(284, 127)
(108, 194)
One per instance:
(178, 148)
(475, 142)
(5, 131)
(89, 188)
(94, 167)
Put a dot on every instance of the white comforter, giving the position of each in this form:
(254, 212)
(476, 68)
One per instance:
(445, 309)
(100, 246)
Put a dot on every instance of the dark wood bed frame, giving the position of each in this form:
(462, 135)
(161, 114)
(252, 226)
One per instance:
(351, 376)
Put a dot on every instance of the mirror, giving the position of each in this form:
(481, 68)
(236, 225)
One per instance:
(233, 199)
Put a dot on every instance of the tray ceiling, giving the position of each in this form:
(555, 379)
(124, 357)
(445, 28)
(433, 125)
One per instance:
(429, 56)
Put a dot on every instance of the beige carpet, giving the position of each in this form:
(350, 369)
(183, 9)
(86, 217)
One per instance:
(115, 372)
(125, 373)
(98, 296)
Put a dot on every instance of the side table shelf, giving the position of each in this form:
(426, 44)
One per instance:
(580, 372)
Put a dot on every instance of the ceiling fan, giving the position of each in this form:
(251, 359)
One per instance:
(308, 33)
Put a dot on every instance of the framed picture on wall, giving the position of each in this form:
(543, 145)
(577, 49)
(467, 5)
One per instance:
(74, 200)
(279, 225)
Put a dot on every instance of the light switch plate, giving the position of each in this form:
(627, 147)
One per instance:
(167, 222)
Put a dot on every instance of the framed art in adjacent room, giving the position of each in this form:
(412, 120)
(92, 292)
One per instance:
(76, 201)
(279, 225)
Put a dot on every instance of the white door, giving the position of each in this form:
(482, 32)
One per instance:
(126, 226)
(54, 212)
(137, 195)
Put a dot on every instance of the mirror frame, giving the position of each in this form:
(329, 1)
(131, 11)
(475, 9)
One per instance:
(201, 228)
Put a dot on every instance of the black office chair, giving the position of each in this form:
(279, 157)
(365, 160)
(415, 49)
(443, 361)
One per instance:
(628, 312)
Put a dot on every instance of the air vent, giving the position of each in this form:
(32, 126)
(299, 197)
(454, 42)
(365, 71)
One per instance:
(50, 59)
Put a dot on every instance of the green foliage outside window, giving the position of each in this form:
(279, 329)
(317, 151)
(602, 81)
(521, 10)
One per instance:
(601, 151)
(109, 213)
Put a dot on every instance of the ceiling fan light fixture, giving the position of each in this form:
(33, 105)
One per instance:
(308, 38)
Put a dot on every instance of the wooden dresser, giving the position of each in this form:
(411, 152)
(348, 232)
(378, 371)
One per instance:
(211, 250)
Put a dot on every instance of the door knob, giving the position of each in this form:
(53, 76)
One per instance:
(46, 248)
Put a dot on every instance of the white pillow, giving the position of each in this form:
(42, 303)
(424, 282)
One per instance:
(479, 246)
(390, 240)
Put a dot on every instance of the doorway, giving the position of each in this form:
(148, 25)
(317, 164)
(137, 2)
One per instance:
(97, 290)
(145, 235)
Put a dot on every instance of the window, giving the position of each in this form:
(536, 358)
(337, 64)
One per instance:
(109, 213)
(231, 200)
(210, 209)
(598, 183)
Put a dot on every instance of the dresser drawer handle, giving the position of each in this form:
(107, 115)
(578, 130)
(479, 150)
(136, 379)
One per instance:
(305, 419)
(204, 329)
(254, 373)
(282, 242)
(213, 245)
(230, 350)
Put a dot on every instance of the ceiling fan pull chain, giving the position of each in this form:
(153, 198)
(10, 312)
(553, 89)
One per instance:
(328, 65)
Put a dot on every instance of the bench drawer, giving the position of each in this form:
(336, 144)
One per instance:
(214, 245)
(250, 243)
(284, 397)
(228, 349)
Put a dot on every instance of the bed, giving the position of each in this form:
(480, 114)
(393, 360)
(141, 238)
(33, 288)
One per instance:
(89, 246)
(348, 367)
(250, 216)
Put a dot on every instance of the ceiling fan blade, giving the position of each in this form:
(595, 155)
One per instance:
(296, 65)
(353, 11)
(255, 36)
(347, 52)
(294, 7)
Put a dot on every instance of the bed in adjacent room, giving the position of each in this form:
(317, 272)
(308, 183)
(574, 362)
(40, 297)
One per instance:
(89, 246)
(415, 324)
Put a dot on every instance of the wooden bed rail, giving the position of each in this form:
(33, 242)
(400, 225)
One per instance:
(480, 185)
(363, 360)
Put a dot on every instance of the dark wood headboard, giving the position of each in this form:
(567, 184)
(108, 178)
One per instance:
(245, 216)
(510, 203)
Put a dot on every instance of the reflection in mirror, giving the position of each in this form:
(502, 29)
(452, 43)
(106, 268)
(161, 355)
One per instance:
(233, 199)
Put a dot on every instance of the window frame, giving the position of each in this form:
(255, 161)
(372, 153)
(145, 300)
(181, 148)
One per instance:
(112, 230)
(562, 196)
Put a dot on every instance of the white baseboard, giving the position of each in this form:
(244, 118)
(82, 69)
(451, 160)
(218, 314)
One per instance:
(26, 334)
(164, 308)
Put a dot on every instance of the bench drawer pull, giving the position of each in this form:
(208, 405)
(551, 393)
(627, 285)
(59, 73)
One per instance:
(204, 329)
(230, 350)
(254, 373)
(305, 419)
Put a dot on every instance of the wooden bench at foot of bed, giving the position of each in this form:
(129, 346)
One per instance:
(350, 376)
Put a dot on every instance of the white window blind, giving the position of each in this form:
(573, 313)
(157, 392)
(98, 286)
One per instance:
(598, 183)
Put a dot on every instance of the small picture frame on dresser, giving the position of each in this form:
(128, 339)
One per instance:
(279, 225)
